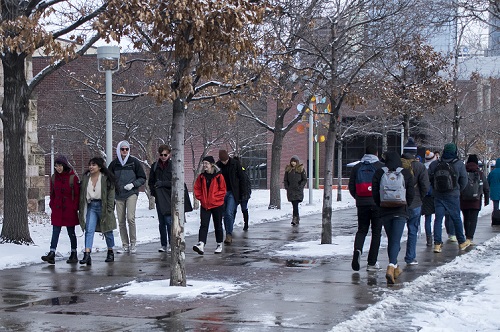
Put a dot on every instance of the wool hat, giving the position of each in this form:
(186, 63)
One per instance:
(429, 155)
(210, 159)
(450, 148)
(62, 160)
(410, 146)
(295, 158)
(473, 159)
(223, 155)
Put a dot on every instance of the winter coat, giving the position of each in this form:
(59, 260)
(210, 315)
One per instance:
(245, 196)
(392, 162)
(494, 182)
(363, 200)
(131, 172)
(160, 185)
(295, 180)
(461, 178)
(421, 180)
(476, 205)
(108, 220)
(64, 199)
(235, 177)
(210, 196)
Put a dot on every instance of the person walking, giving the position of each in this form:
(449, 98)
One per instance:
(494, 183)
(448, 178)
(235, 188)
(245, 197)
(295, 180)
(393, 215)
(129, 175)
(210, 190)
(471, 197)
(64, 200)
(421, 187)
(428, 202)
(360, 188)
(96, 209)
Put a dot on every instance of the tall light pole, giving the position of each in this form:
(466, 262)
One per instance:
(108, 61)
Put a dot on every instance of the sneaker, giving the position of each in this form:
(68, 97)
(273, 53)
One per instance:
(464, 245)
(133, 249)
(413, 262)
(375, 267)
(169, 249)
(356, 257)
(452, 238)
(125, 249)
(438, 247)
(162, 249)
(199, 248)
(218, 250)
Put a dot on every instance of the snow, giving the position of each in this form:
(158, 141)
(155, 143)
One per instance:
(432, 302)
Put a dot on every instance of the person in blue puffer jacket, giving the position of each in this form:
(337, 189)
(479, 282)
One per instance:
(494, 182)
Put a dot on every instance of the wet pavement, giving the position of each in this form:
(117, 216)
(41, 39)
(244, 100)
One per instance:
(277, 293)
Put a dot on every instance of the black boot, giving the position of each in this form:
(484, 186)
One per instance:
(86, 259)
(73, 258)
(50, 257)
(245, 219)
(110, 257)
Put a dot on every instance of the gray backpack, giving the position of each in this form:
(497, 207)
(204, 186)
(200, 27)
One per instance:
(392, 188)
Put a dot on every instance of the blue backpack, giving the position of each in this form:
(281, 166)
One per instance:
(364, 178)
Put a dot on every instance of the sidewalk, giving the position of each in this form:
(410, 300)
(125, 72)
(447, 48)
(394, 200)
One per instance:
(278, 294)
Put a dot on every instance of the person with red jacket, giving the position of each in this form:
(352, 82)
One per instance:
(210, 190)
(64, 199)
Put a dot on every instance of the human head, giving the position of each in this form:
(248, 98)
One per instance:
(450, 148)
(295, 159)
(410, 146)
(208, 163)
(164, 151)
(123, 148)
(473, 159)
(96, 164)
(61, 161)
(429, 155)
(223, 156)
(371, 149)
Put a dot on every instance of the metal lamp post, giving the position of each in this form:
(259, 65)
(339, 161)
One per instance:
(108, 61)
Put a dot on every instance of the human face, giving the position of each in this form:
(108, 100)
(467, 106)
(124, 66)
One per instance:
(94, 168)
(124, 151)
(293, 163)
(207, 167)
(59, 168)
(164, 155)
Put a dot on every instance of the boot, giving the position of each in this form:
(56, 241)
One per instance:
(389, 275)
(430, 241)
(86, 259)
(245, 219)
(294, 220)
(110, 257)
(73, 258)
(50, 257)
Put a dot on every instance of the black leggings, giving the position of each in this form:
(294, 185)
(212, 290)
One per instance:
(295, 206)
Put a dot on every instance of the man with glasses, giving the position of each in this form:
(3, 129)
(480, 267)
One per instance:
(129, 177)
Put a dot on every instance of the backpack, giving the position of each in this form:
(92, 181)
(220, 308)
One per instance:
(364, 179)
(445, 176)
(474, 187)
(392, 188)
(71, 184)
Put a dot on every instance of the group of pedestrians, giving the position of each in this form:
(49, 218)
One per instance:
(398, 189)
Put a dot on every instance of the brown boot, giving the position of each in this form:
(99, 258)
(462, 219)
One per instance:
(228, 239)
(389, 275)
(397, 272)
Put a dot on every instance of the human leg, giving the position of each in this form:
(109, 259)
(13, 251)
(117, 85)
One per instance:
(438, 221)
(394, 227)
(204, 224)
(72, 237)
(230, 207)
(56, 230)
(131, 205)
(93, 215)
(470, 227)
(450, 229)
(496, 204)
(217, 220)
(413, 224)
(376, 224)
(452, 205)
(122, 223)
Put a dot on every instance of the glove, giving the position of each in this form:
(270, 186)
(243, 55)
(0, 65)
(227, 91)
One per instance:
(129, 186)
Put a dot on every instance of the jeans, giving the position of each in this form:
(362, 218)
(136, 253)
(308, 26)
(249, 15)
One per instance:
(165, 227)
(428, 225)
(413, 225)
(470, 222)
(92, 218)
(127, 207)
(448, 225)
(56, 230)
(495, 204)
(216, 214)
(450, 205)
(368, 215)
(394, 227)
(229, 212)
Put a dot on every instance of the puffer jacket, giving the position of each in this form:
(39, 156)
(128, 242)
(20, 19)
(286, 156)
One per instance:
(131, 172)
(494, 182)
(210, 196)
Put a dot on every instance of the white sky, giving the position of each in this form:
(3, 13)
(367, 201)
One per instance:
(475, 309)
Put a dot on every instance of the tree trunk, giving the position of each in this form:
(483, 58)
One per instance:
(339, 170)
(178, 264)
(277, 146)
(326, 224)
(456, 123)
(15, 111)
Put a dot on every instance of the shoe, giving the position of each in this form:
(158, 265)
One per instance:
(218, 250)
(229, 239)
(356, 257)
(86, 259)
(110, 257)
(199, 248)
(389, 274)
(464, 245)
(125, 248)
(245, 220)
(133, 249)
(375, 267)
(452, 238)
(169, 249)
(162, 249)
(294, 221)
(50, 257)
(73, 258)
(438, 247)
(413, 262)
(429, 241)
(397, 272)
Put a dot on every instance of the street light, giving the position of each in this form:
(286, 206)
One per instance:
(108, 61)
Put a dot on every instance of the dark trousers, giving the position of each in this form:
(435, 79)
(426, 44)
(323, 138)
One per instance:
(470, 222)
(368, 216)
(216, 214)
(56, 230)
(295, 208)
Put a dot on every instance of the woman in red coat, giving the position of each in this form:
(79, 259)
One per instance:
(64, 199)
(210, 190)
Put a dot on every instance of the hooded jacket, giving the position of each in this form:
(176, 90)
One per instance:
(295, 179)
(130, 172)
(363, 201)
(210, 196)
(494, 182)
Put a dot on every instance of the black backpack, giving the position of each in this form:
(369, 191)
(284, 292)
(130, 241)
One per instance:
(474, 187)
(445, 176)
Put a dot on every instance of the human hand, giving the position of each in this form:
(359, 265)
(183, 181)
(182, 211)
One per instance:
(129, 186)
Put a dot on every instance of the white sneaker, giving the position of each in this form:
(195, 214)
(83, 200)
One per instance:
(162, 249)
(125, 249)
(218, 250)
(199, 248)
(452, 238)
(375, 267)
(133, 249)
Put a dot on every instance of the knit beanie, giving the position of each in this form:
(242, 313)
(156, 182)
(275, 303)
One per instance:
(473, 159)
(210, 159)
(410, 146)
(295, 158)
(429, 155)
(61, 160)
(223, 155)
(450, 148)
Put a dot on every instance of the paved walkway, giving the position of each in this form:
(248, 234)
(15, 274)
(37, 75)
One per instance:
(278, 294)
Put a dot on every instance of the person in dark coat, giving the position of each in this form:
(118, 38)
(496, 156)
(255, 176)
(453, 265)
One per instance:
(393, 218)
(295, 180)
(470, 208)
(64, 199)
(428, 202)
